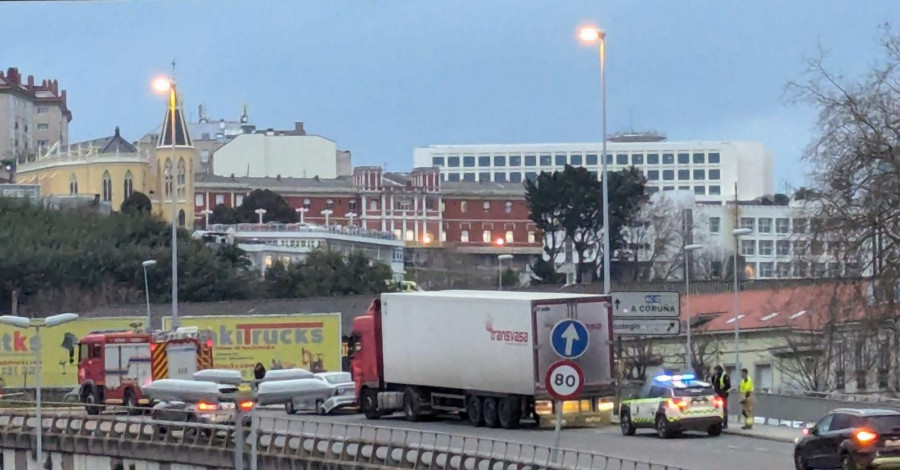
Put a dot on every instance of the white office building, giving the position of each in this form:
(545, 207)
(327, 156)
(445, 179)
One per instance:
(707, 169)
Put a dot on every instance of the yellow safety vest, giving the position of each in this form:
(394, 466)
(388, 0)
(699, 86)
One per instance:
(722, 381)
(746, 385)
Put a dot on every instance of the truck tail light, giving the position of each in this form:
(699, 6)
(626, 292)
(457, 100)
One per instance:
(204, 406)
(677, 403)
(864, 436)
(209, 343)
(246, 405)
(718, 402)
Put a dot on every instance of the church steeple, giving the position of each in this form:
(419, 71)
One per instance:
(182, 137)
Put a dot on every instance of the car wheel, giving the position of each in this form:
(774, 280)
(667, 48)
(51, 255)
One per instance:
(625, 423)
(289, 407)
(848, 462)
(475, 411)
(715, 430)
(491, 414)
(662, 427)
(319, 404)
(800, 463)
(510, 412)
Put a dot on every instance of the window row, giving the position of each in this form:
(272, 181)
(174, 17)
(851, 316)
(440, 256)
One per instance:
(782, 225)
(575, 159)
(684, 175)
(789, 248)
(106, 186)
(699, 190)
(801, 269)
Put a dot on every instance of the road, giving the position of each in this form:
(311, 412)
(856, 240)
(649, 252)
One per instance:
(693, 451)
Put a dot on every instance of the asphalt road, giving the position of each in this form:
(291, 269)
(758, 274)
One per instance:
(693, 451)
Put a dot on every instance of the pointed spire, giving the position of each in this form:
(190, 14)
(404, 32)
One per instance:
(182, 138)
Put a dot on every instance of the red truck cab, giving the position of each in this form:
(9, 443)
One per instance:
(366, 363)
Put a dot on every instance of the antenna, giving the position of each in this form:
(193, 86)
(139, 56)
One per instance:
(173, 67)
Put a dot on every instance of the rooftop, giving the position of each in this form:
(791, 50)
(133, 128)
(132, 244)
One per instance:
(47, 92)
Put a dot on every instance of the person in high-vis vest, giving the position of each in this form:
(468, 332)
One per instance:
(721, 383)
(747, 399)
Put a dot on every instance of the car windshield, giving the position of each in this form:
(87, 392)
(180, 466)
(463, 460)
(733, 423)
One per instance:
(885, 424)
(692, 391)
(338, 378)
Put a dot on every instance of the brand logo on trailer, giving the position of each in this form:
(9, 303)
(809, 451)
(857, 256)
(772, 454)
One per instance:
(505, 336)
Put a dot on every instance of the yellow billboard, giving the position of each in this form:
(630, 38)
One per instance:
(57, 345)
(310, 341)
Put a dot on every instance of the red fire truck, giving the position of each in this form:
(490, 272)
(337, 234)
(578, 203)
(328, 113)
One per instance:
(113, 365)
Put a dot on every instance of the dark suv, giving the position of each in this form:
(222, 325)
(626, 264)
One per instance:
(851, 439)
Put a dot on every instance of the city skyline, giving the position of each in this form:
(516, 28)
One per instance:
(474, 83)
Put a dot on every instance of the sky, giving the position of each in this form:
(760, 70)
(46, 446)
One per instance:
(381, 77)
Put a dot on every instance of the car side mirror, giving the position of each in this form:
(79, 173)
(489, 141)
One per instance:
(812, 431)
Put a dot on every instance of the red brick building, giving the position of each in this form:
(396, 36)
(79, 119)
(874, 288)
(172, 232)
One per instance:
(417, 207)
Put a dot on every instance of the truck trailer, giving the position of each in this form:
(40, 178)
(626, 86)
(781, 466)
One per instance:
(480, 354)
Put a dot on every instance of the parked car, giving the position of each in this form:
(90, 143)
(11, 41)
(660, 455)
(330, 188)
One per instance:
(851, 439)
(344, 392)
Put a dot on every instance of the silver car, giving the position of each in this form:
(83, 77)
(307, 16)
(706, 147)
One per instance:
(340, 393)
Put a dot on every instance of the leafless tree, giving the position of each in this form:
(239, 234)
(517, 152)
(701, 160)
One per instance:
(705, 349)
(639, 355)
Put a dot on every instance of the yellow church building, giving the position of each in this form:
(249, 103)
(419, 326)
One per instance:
(112, 169)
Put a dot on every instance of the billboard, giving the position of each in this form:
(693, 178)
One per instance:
(310, 341)
(56, 345)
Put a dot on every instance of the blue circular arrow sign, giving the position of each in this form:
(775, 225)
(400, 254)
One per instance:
(569, 338)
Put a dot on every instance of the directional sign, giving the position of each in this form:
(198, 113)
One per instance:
(564, 380)
(646, 304)
(569, 338)
(646, 326)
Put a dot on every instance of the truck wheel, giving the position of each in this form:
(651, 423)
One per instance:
(510, 412)
(410, 406)
(369, 403)
(90, 400)
(475, 411)
(491, 416)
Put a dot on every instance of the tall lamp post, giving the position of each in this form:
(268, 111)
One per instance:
(206, 213)
(350, 216)
(260, 213)
(592, 35)
(302, 211)
(737, 234)
(148, 264)
(500, 259)
(37, 324)
(688, 249)
(327, 213)
(164, 85)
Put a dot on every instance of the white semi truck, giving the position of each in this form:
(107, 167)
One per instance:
(481, 354)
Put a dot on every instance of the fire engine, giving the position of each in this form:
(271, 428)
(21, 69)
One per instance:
(113, 365)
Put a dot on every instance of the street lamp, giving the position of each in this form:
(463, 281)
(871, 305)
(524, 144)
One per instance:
(206, 213)
(350, 216)
(737, 234)
(590, 35)
(37, 324)
(148, 264)
(688, 249)
(167, 85)
(327, 213)
(260, 213)
(302, 211)
(500, 259)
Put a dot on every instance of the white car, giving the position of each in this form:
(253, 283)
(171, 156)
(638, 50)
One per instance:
(339, 393)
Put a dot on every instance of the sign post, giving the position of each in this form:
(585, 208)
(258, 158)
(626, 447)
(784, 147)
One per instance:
(564, 381)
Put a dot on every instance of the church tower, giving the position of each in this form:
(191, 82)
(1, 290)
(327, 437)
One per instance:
(175, 169)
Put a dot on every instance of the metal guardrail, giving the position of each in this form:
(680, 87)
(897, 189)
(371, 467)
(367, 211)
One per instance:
(284, 442)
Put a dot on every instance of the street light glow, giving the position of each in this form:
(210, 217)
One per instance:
(591, 34)
(162, 85)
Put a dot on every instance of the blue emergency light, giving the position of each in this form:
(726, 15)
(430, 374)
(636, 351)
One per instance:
(674, 378)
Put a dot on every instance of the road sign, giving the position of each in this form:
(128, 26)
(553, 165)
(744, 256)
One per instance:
(646, 326)
(646, 304)
(569, 338)
(564, 380)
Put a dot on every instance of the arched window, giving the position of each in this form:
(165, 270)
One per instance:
(181, 218)
(181, 178)
(73, 184)
(107, 186)
(168, 190)
(129, 185)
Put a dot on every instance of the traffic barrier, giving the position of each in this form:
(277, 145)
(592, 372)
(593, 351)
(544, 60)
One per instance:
(289, 442)
(800, 410)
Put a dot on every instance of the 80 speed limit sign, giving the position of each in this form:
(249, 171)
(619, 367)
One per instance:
(564, 380)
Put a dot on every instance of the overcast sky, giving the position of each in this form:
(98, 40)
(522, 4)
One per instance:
(383, 77)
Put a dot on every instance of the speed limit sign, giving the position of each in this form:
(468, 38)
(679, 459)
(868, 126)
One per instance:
(564, 380)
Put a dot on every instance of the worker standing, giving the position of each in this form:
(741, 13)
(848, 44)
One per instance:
(722, 385)
(747, 399)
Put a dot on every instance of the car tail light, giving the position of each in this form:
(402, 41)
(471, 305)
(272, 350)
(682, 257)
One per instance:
(864, 436)
(718, 402)
(245, 405)
(805, 431)
(203, 406)
(678, 403)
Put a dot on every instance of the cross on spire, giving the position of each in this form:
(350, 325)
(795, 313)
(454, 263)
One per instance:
(173, 67)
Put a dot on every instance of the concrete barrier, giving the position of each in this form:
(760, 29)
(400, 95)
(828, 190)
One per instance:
(801, 410)
(288, 443)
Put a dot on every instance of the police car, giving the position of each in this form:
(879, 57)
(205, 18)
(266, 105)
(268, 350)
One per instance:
(671, 404)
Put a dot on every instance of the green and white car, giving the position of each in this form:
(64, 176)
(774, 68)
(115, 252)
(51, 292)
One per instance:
(672, 404)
